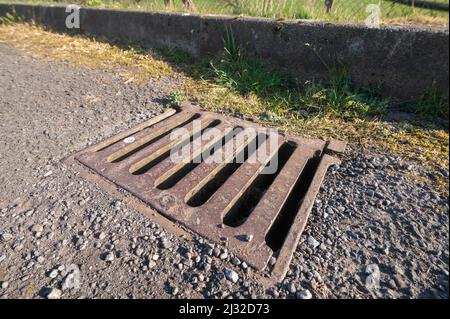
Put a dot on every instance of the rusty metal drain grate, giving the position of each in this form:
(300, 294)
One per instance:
(236, 200)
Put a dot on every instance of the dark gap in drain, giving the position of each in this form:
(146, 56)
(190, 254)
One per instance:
(140, 147)
(205, 193)
(173, 179)
(166, 154)
(245, 205)
(278, 231)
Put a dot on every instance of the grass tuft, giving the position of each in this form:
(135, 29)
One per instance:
(9, 18)
(431, 105)
(174, 99)
(340, 97)
(279, 94)
(246, 76)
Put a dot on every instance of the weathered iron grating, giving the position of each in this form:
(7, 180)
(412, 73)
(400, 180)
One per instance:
(256, 215)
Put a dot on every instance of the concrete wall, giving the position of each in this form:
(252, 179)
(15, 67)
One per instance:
(405, 60)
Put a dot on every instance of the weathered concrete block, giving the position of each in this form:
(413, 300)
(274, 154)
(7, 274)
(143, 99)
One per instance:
(406, 61)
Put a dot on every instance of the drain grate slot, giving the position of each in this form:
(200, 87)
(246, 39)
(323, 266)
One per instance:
(239, 213)
(180, 173)
(279, 230)
(216, 181)
(217, 189)
(147, 163)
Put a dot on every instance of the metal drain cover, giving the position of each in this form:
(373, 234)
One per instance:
(232, 181)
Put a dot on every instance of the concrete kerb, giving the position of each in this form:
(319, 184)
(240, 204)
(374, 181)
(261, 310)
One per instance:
(406, 61)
